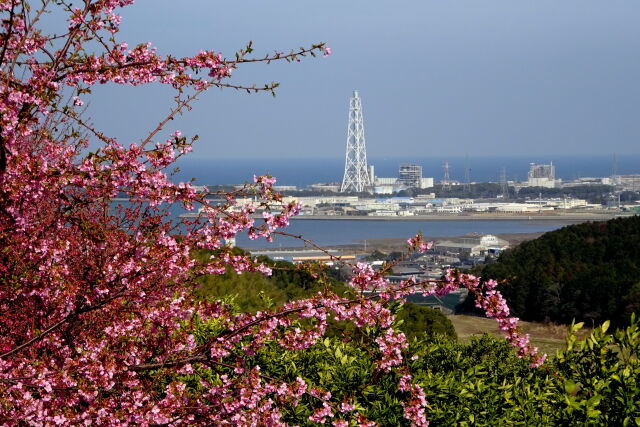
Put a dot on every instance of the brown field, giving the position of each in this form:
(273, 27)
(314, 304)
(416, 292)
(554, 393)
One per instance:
(547, 337)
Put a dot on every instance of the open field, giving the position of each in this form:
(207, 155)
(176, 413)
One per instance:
(400, 244)
(548, 338)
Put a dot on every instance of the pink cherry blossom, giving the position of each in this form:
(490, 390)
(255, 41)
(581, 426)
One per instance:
(101, 285)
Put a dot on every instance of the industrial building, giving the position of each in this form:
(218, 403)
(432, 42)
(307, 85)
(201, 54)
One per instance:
(325, 187)
(305, 255)
(627, 182)
(410, 176)
(542, 176)
(472, 245)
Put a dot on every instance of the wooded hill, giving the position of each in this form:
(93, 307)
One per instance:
(589, 272)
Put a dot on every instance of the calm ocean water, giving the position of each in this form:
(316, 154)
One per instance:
(302, 172)
(342, 232)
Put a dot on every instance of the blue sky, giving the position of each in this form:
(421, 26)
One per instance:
(441, 77)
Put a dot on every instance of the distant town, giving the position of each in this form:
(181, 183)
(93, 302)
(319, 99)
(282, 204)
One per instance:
(363, 194)
(459, 252)
(410, 195)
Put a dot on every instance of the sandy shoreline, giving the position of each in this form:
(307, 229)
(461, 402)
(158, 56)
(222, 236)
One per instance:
(399, 244)
(394, 244)
(391, 244)
(569, 217)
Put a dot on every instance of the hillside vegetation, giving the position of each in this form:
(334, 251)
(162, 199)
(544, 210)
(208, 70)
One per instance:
(475, 381)
(588, 272)
(250, 292)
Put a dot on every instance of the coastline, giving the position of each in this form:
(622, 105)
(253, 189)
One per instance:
(399, 244)
(569, 217)
(390, 233)
(390, 244)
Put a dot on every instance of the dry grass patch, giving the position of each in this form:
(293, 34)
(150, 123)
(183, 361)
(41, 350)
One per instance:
(547, 337)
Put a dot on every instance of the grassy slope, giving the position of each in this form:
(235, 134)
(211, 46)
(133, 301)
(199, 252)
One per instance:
(548, 338)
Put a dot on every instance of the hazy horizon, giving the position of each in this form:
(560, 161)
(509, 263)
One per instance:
(540, 77)
(304, 171)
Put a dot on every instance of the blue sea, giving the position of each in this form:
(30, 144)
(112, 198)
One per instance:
(302, 172)
(305, 171)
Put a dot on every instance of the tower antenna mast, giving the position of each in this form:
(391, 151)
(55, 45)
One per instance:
(504, 187)
(356, 175)
(446, 180)
(467, 173)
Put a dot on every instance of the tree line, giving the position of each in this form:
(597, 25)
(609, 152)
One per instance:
(589, 272)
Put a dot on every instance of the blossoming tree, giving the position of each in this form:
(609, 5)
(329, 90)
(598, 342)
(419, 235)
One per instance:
(97, 299)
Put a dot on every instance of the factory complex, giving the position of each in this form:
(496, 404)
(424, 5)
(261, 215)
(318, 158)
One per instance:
(359, 176)
(409, 194)
(425, 205)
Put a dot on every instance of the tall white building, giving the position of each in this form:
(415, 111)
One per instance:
(410, 176)
(542, 176)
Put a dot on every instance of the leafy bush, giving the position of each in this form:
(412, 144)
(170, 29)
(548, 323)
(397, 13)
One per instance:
(593, 382)
(417, 321)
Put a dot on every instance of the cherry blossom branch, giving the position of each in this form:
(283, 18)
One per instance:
(36, 338)
(174, 111)
(7, 36)
(200, 355)
(278, 55)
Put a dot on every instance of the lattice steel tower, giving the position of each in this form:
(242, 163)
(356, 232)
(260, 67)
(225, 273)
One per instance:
(356, 174)
(504, 185)
(446, 180)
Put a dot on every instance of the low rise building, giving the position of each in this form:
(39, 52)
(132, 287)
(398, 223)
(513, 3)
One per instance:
(472, 245)
(542, 176)
(285, 188)
(302, 255)
(520, 208)
(627, 182)
(329, 187)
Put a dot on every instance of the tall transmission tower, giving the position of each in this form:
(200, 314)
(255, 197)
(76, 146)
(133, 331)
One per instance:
(615, 179)
(446, 180)
(356, 174)
(467, 175)
(504, 188)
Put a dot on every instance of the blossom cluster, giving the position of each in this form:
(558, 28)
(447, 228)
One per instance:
(489, 299)
(417, 243)
(99, 285)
